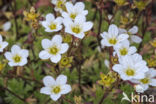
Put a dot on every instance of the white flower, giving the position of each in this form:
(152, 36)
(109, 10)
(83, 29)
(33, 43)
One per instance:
(124, 48)
(55, 88)
(74, 10)
(59, 5)
(53, 49)
(78, 27)
(131, 67)
(132, 32)
(6, 26)
(112, 37)
(17, 56)
(139, 88)
(3, 44)
(149, 79)
(51, 24)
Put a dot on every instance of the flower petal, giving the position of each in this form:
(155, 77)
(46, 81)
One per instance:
(48, 81)
(65, 89)
(45, 90)
(87, 26)
(56, 58)
(64, 48)
(44, 55)
(46, 43)
(8, 56)
(55, 97)
(122, 37)
(61, 79)
(50, 17)
(23, 62)
(132, 50)
(113, 30)
(133, 30)
(15, 49)
(69, 6)
(24, 53)
(57, 39)
(153, 82)
(136, 39)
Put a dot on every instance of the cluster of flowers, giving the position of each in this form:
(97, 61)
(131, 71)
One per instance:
(131, 66)
(74, 21)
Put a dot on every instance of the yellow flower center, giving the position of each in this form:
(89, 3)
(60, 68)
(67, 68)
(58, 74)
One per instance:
(130, 72)
(123, 51)
(145, 80)
(53, 50)
(73, 15)
(56, 89)
(52, 26)
(76, 29)
(112, 41)
(17, 58)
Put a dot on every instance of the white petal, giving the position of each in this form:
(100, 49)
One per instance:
(24, 53)
(87, 26)
(56, 58)
(65, 89)
(64, 48)
(57, 39)
(48, 81)
(133, 30)
(6, 26)
(136, 39)
(103, 35)
(152, 72)
(117, 67)
(8, 56)
(55, 97)
(45, 90)
(15, 49)
(50, 17)
(113, 30)
(153, 82)
(69, 6)
(137, 57)
(46, 43)
(61, 79)
(59, 20)
(81, 36)
(122, 37)
(23, 62)
(132, 50)
(1, 39)
(122, 31)
(80, 6)
(80, 19)
(4, 44)
(12, 64)
(44, 55)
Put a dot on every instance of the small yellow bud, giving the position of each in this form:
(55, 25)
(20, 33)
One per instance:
(77, 99)
(67, 38)
(66, 62)
(32, 15)
(153, 43)
(107, 80)
(120, 2)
